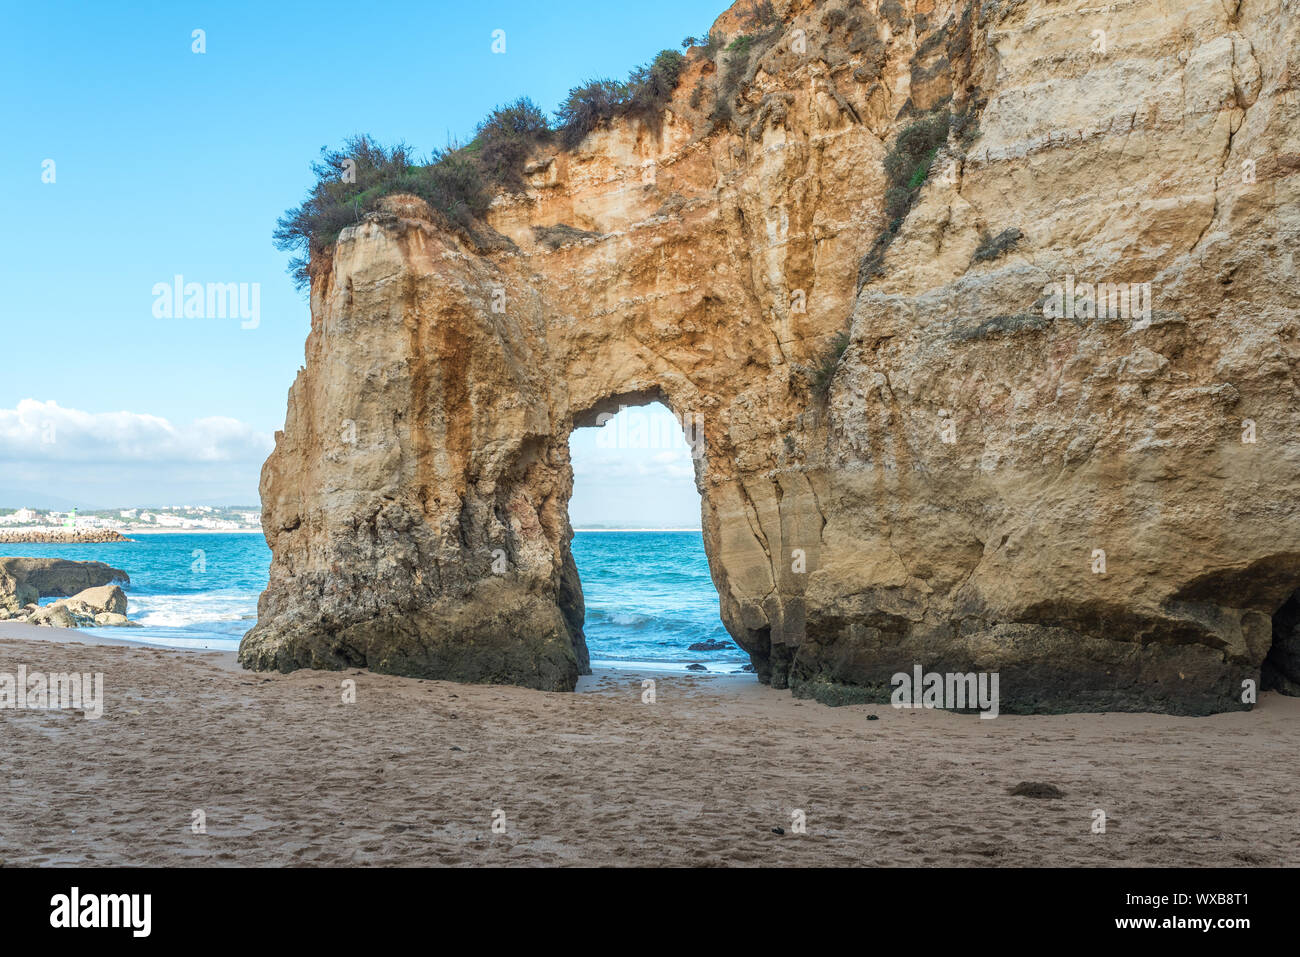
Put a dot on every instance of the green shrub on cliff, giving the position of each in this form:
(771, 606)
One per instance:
(650, 87)
(646, 92)
(586, 107)
(457, 182)
(824, 372)
(741, 45)
(740, 60)
(907, 166)
(351, 181)
(732, 77)
(452, 183)
(761, 13)
(506, 139)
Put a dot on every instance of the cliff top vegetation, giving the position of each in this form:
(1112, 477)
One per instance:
(458, 181)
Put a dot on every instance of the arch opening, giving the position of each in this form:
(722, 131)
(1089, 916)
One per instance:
(638, 547)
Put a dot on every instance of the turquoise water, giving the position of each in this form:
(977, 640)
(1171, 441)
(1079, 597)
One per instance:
(648, 594)
(188, 591)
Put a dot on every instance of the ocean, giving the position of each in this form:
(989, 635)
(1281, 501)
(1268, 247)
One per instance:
(649, 597)
(648, 594)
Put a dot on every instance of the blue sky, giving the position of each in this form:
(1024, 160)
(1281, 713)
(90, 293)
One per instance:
(167, 161)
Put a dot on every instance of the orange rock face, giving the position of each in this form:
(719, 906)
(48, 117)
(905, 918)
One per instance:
(996, 474)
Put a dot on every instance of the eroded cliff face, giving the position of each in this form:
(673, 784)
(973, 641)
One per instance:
(1101, 508)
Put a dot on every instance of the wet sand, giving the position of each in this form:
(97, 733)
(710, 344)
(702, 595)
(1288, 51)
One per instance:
(413, 773)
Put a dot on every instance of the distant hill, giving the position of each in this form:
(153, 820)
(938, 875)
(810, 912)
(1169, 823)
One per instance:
(42, 501)
(27, 498)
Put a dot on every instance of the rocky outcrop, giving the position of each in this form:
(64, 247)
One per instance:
(93, 608)
(56, 577)
(988, 473)
(56, 615)
(106, 599)
(87, 589)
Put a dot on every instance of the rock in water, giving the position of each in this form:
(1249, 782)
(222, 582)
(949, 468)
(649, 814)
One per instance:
(24, 580)
(105, 598)
(111, 620)
(709, 645)
(104, 606)
(1058, 440)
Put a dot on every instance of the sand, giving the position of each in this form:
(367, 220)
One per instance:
(412, 773)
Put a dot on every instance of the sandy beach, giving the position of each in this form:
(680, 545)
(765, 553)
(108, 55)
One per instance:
(412, 774)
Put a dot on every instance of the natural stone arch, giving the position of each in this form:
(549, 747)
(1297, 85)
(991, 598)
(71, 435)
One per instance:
(428, 439)
(458, 369)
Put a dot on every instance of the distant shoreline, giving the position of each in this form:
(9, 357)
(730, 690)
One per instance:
(637, 529)
(193, 531)
(87, 536)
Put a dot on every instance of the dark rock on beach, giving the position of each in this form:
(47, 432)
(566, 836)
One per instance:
(1035, 789)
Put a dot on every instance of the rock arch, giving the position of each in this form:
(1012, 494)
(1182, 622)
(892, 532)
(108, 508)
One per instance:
(946, 501)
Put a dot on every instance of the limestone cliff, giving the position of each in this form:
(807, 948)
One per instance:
(1100, 504)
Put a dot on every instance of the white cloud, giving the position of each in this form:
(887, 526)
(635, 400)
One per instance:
(668, 467)
(109, 459)
(642, 446)
(44, 432)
